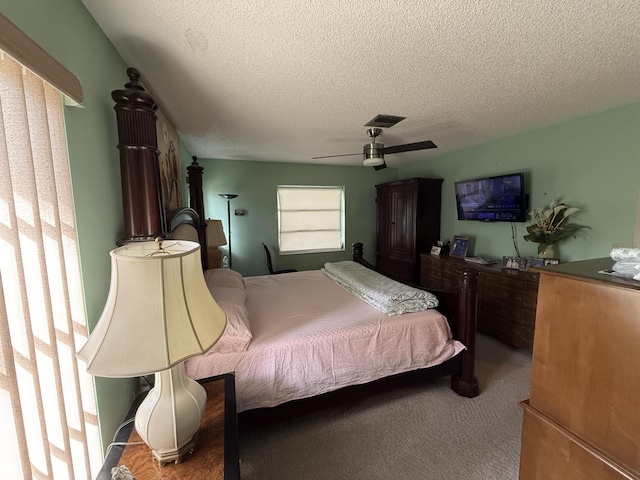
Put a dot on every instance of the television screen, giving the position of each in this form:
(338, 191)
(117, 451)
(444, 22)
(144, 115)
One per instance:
(492, 199)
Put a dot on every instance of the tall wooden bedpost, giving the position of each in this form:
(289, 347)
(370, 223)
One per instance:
(196, 201)
(465, 383)
(144, 216)
(461, 306)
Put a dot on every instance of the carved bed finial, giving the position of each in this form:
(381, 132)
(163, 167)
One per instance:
(134, 76)
(357, 250)
(134, 95)
(196, 202)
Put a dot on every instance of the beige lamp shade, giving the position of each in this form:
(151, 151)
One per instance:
(158, 312)
(215, 234)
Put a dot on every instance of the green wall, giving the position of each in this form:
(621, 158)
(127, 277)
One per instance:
(592, 163)
(65, 30)
(255, 184)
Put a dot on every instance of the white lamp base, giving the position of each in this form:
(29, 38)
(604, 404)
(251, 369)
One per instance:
(176, 456)
(168, 419)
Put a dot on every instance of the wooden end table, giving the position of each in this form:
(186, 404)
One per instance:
(215, 457)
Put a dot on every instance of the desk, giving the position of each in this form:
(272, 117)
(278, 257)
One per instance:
(216, 454)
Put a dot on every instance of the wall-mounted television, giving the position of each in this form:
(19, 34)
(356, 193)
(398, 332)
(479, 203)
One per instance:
(492, 199)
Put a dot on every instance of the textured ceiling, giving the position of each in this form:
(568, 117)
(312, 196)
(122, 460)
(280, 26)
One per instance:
(288, 80)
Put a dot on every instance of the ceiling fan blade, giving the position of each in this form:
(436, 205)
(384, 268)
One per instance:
(410, 147)
(380, 167)
(333, 156)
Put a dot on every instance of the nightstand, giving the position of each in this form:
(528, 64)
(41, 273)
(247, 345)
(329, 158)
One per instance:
(216, 454)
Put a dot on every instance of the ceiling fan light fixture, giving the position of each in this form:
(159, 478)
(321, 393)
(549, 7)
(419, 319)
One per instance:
(373, 154)
(373, 162)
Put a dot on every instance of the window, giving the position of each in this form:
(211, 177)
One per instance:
(310, 219)
(49, 423)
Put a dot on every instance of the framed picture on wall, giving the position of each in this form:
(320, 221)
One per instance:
(460, 246)
(169, 160)
(168, 143)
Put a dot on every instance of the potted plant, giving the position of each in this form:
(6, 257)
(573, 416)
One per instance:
(552, 224)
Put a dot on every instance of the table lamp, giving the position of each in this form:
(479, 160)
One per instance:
(215, 239)
(158, 313)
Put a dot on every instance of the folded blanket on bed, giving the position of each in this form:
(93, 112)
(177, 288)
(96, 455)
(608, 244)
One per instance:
(382, 293)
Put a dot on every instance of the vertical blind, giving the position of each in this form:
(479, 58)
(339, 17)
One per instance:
(48, 423)
(310, 219)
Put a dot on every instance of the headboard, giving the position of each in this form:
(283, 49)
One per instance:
(184, 225)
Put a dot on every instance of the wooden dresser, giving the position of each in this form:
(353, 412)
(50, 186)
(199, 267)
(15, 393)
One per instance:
(407, 224)
(506, 297)
(582, 420)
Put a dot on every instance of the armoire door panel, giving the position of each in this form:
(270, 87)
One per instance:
(402, 222)
(407, 224)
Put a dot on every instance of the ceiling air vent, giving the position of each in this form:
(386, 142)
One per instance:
(385, 121)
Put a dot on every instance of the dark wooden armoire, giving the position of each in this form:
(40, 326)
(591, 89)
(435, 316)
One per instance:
(407, 224)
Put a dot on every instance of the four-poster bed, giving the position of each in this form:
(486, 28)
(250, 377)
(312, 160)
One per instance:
(370, 346)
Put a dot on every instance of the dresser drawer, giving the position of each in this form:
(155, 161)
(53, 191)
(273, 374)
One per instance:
(507, 296)
(431, 282)
(435, 273)
(549, 452)
(500, 311)
(438, 273)
(506, 279)
(531, 296)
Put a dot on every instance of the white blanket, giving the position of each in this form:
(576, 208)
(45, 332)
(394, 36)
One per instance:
(382, 293)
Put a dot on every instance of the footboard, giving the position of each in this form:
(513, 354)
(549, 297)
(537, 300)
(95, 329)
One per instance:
(460, 309)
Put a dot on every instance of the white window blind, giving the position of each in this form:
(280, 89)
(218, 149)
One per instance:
(310, 219)
(48, 425)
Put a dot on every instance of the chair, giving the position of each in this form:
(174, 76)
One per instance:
(267, 255)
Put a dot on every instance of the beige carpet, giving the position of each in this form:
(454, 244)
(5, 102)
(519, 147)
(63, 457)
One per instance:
(415, 430)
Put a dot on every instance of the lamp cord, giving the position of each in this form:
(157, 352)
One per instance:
(114, 443)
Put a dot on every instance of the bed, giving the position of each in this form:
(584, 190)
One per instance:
(299, 335)
(346, 343)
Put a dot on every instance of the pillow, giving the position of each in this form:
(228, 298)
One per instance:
(237, 334)
(223, 277)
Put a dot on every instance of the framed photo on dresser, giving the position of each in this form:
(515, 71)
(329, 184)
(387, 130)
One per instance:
(460, 246)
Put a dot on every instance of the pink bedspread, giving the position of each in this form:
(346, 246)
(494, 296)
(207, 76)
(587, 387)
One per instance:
(311, 336)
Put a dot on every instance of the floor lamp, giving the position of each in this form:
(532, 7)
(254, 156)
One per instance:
(229, 197)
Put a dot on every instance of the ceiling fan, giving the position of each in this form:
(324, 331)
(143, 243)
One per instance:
(373, 153)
